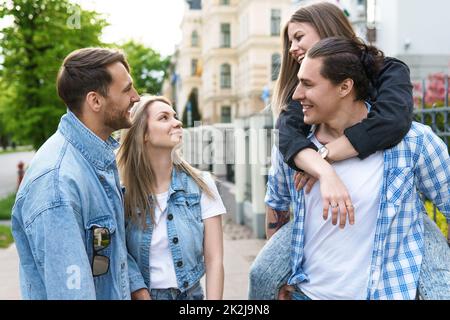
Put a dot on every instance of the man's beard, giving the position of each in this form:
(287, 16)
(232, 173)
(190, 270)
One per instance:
(116, 118)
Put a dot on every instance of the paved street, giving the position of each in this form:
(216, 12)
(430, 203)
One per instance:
(8, 170)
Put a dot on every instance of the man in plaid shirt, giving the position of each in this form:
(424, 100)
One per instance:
(380, 256)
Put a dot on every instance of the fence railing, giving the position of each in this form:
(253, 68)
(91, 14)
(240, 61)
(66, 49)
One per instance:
(437, 118)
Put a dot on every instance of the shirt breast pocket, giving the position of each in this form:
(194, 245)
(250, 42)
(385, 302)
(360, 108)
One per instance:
(400, 184)
(100, 233)
(189, 207)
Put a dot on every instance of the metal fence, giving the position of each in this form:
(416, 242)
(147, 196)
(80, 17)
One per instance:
(437, 118)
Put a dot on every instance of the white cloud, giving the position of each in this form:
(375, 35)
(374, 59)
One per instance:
(155, 23)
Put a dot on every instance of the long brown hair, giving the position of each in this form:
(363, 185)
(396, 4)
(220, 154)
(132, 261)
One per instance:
(134, 164)
(329, 21)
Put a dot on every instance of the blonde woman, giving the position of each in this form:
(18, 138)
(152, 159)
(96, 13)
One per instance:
(173, 212)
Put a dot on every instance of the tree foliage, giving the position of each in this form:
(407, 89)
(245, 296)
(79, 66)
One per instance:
(41, 34)
(148, 68)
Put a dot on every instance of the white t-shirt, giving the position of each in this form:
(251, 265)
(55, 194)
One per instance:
(337, 261)
(162, 269)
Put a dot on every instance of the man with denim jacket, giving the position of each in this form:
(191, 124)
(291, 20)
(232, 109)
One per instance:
(68, 218)
(380, 255)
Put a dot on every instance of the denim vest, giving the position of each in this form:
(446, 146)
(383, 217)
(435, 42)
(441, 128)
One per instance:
(71, 186)
(185, 231)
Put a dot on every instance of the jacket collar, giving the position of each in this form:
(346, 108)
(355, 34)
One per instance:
(178, 181)
(100, 153)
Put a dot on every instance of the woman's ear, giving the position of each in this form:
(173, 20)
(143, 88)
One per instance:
(346, 87)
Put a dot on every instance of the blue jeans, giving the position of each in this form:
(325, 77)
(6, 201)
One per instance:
(194, 293)
(271, 268)
(297, 294)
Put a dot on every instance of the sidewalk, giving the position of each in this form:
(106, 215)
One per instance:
(239, 252)
(9, 274)
(240, 249)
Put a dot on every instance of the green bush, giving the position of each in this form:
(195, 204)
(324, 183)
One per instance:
(6, 205)
(6, 237)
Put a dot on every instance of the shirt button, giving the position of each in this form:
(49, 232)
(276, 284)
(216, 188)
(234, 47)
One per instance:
(185, 284)
(179, 264)
(169, 216)
(175, 240)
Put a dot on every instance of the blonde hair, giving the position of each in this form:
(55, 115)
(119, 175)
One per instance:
(134, 164)
(329, 21)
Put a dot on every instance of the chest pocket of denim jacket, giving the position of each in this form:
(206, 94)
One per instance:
(188, 206)
(100, 222)
(400, 184)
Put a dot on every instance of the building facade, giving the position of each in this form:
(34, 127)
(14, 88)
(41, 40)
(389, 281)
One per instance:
(229, 57)
(414, 31)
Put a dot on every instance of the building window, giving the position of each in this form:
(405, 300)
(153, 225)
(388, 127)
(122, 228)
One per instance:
(194, 4)
(224, 2)
(194, 66)
(276, 63)
(225, 35)
(275, 22)
(225, 114)
(225, 76)
(194, 39)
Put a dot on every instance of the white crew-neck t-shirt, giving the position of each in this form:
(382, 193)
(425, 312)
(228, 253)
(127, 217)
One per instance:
(337, 261)
(162, 269)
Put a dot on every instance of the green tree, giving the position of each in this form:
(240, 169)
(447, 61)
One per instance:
(148, 68)
(5, 135)
(42, 33)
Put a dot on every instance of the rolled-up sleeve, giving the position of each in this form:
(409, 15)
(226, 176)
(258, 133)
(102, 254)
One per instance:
(293, 133)
(135, 275)
(277, 193)
(391, 115)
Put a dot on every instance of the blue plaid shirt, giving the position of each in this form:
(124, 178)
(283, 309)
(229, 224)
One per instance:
(419, 163)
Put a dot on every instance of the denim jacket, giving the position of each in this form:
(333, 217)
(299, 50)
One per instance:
(71, 186)
(185, 230)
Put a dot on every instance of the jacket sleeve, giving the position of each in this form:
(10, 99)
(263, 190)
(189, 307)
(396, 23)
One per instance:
(391, 115)
(277, 192)
(135, 276)
(59, 246)
(293, 133)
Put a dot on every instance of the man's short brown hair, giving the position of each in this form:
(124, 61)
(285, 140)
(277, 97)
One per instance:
(83, 71)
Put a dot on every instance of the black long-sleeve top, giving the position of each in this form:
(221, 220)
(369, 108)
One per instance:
(387, 123)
